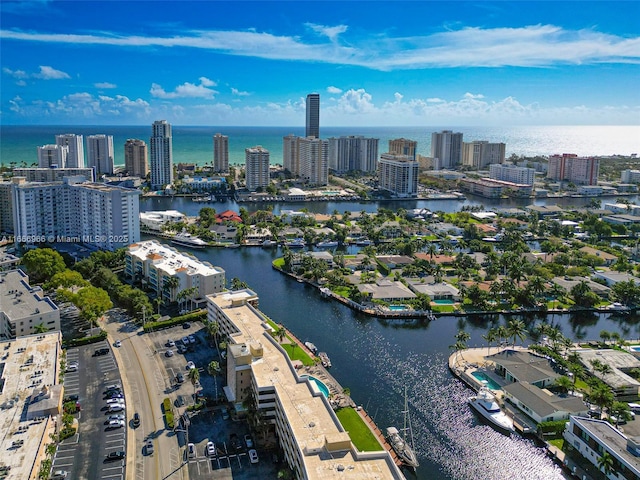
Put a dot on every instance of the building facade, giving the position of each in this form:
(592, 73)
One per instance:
(52, 156)
(135, 158)
(75, 146)
(100, 154)
(446, 149)
(153, 263)
(402, 146)
(52, 174)
(630, 176)
(398, 174)
(74, 211)
(220, 153)
(353, 153)
(307, 158)
(256, 167)
(290, 157)
(313, 116)
(479, 154)
(6, 207)
(161, 155)
(571, 168)
(511, 173)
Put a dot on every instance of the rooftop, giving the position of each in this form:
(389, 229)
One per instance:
(543, 402)
(170, 260)
(524, 366)
(18, 299)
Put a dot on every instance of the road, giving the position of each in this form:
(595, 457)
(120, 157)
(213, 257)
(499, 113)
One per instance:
(145, 385)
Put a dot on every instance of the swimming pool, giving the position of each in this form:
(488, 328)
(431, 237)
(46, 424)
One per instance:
(479, 375)
(321, 386)
(635, 348)
(397, 308)
(443, 301)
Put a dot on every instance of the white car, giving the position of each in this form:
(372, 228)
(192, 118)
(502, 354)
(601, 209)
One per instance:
(115, 424)
(171, 343)
(118, 344)
(192, 339)
(190, 366)
(72, 367)
(116, 407)
(185, 340)
(168, 353)
(115, 417)
(253, 456)
(112, 401)
(211, 449)
(191, 450)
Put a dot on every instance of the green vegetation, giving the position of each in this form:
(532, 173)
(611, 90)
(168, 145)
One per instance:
(557, 442)
(552, 429)
(199, 315)
(168, 413)
(76, 342)
(42, 264)
(359, 432)
(297, 353)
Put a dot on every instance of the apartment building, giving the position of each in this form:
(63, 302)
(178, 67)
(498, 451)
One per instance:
(512, 173)
(24, 310)
(306, 158)
(154, 263)
(630, 176)
(403, 146)
(480, 153)
(353, 153)
(571, 168)
(6, 207)
(313, 116)
(52, 156)
(220, 153)
(135, 158)
(155, 220)
(52, 174)
(161, 154)
(398, 174)
(75, 149)
(256, 167)
(301, 417)
(74, 211)
(446, 149)
(100, 154)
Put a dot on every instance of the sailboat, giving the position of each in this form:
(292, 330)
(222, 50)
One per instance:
(402, 445)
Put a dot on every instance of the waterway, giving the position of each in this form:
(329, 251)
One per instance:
(377, 359)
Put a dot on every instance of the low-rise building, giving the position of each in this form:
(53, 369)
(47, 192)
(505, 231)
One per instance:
(611, 278)
(542, 405)
(523, 366)
(24, 309)
(620, 362)
(155, 220)
(436, 290)
(386, 290)
(300, 415)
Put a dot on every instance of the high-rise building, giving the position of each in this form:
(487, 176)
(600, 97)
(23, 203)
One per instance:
(353, 153)
(306, 158)
(398, 174)
(161, 158)
(98, 215)
(75, 155)
(6, 206)
(220, 153)
(479, 154)
(313, 115)
(512, 173)
(290, 157)
(32, 174)
(571, 168)
(402, 146)
(256, 167)
(100, 154)
(135, 158)
(52, 156)
(446, 149)
(630, 176)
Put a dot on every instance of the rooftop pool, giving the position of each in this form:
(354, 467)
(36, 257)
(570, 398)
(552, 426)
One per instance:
(319, 383)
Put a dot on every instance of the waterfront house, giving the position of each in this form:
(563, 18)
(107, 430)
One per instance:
(569, 282)
(386, 290)
(394, 261)
(620, 362)
(436, 259)
(607, 258)
(542, 405)
(228, 216)
(435, 291)
(611, 278)
(523, 366)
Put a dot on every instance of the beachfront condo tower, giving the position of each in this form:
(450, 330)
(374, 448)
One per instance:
(313, 115)
(75, 144)
(446, 149)
(135, 158)
(100, 154)
(52, 156)
(161, 159)
(220, 153)
(256, 167)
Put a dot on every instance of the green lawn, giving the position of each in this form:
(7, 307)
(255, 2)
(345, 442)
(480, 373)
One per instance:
(359, 432)
(558, 442)
(296, 353)
(279, 262)
(443, 308)
(342, 291)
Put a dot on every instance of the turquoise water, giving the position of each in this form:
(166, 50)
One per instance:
(397, 308)
(321, 386)
(443, 301)
(635, 348)
(484, 378)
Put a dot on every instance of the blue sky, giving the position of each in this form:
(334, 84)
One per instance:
(378, 63)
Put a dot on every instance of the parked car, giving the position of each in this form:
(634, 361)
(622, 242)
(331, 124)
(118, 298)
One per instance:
(70, 398)
(192, 339)
(149, 446)
(100, 351)
(180, 377)
(179, 401)
(118, 344)
(116, 407)
(182, 349)
(248, 441)
(111, 401)
(191, 450)
(168, 353)
(59, 475)
(119, 455)
(113, 424)
(112, 387)
(253, 456)
(185, 341)
(170, 343)
(190, 365)
(114, 395)
(234, 441)
(211, 449)
(72, 367)
(136, 420)
(186, 325)
(114, 417)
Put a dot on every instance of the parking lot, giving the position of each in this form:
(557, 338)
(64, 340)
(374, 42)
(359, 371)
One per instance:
(83, 455)
(213, 424)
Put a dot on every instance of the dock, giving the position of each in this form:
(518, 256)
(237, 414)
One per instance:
(379, 436)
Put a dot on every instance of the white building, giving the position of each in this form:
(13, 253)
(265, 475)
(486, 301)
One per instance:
(446, 149)
(6, 207)
(307, 429)
(52, 156)
(75, 145)
(352, 153)
(478, 154)
(24, 309)
(220, 153)
(100, 154)
(630, 176)
(256, 167)
(512, 173)
(398, 174)
(135, 158)
(571, 168)
(155, 220)
(153, 263)
(33, 174)
(306, 158)
(161, 155)
(73, 211)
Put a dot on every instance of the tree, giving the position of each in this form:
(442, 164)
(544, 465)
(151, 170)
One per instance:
(490, 336)
(43, 263)
(517, 329)
(92, 302)
(40, 328)
(194, 377)
(214, 369)
(564, 383)
(605, 463)
(237, 284)
(170, 285)
(280, 333)
(601, 395)
(66, 279)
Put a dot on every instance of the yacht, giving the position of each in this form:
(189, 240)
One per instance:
(327, 244)
(296, 243)
(485, 404)
(187, 240)
(402, 444)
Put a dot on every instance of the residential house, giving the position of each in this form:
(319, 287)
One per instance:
(620, 362)
(542, 405)
(523, 366)
(386, 290)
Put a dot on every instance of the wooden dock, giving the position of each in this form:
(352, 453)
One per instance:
(379, 435)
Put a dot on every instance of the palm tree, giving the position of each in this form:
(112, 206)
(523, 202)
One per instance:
(517, 329)
(502, 332)
(213, 369)
(605, 336)
(564, 383)
(605, 463)
(281, 332)
(40, 328)
(462, 337)
(194, 376)
(170, 285)
(577, 370)
(213, 329)
(490, 336)
(601, 395)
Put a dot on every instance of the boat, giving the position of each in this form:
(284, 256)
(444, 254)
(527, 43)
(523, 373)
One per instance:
(486, 405)
(187, 240)
(325, 292)
(327, 244)
(295, 243)
(324, 359)
(269, 244)
(363, 242)
(618, 307)
(399, 442)
(312, 348)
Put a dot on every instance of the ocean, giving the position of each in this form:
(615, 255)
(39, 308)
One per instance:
(18, 143)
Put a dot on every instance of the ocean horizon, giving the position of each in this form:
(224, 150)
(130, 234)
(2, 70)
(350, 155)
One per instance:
(194, 144)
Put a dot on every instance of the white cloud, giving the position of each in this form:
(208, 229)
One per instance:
(528, 46)
(15, 73)
(471, 95)
(186, 90)
(105, 85)
(239, 93)
(334, 90)
(50, 73)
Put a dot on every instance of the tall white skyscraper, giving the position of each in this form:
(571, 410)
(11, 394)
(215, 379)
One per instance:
(100, 154)
(52, 156)
(161, 156)
(398, 174)
(75, 144)
(446, 149)
(307, 158)
(256, 167)
(313, 115)
(135, 158)
(353, 153)
(220, 153)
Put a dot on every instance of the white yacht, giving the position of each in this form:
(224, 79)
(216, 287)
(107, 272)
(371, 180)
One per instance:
(187, 240)
(485, 404)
